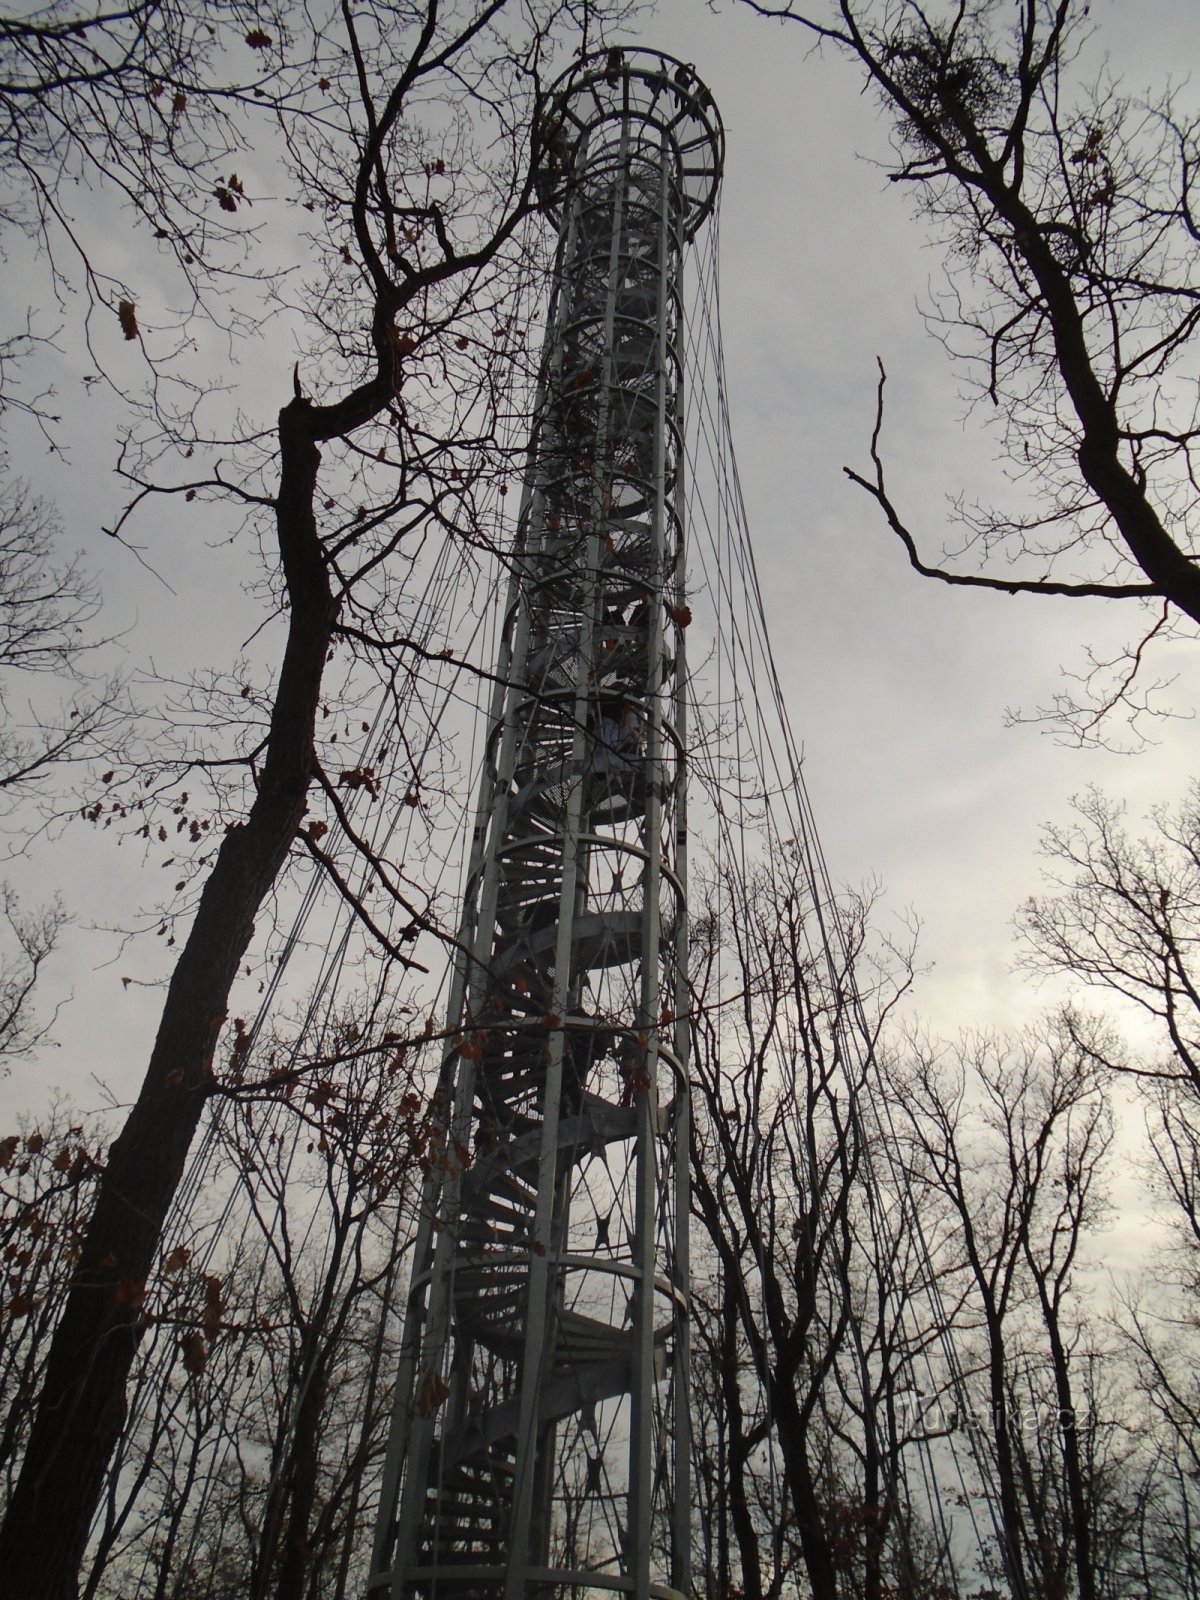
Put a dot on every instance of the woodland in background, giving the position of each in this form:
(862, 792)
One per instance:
(232, 1444)
(960, 1294)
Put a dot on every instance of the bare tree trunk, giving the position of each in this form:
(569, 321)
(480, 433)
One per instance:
(82, 1408)
(738, 1453)
(793, 1424)
(302, 1488)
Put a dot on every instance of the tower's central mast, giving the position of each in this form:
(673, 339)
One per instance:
(541, 1431)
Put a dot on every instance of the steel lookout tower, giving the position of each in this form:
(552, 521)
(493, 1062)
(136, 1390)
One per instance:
(540, 1441)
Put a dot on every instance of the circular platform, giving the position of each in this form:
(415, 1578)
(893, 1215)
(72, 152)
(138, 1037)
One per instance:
(653, 92)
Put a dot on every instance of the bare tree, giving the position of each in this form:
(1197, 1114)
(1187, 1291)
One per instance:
(418, 263)
(1072, 302)
(47, 608)
(32, 937)
(803, 1347)
(1123, 919)
(361, 1106)
(140, 101)
(1023, 1171)
(256, 1405)
(48, 1175)
(901, 1265)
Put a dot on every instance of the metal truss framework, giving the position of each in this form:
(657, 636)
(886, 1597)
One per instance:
(540, 1442)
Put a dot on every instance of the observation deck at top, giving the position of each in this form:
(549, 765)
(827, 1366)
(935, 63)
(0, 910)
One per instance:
(661, 100)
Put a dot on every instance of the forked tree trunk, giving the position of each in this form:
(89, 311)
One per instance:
(82, 1406)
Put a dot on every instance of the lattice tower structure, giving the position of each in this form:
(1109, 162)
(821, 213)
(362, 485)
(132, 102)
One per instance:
(540, 1441)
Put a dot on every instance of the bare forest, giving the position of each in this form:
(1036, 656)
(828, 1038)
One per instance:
(276, 297)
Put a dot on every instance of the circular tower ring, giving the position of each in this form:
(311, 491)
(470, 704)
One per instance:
(631, 85)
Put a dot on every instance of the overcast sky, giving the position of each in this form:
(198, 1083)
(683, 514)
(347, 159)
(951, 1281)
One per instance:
(898, 687)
